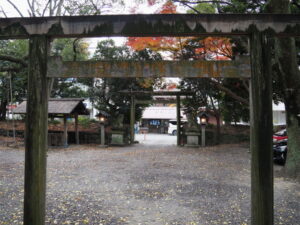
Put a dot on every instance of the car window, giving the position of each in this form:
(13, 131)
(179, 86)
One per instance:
(173, 122)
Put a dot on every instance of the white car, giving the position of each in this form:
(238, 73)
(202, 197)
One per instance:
(172, 129)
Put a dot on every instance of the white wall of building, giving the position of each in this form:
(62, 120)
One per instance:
(279, 115)
(161, 112)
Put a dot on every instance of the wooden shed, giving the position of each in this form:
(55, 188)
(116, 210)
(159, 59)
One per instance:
(62, 108)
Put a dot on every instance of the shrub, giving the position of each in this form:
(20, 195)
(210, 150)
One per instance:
(85, 121)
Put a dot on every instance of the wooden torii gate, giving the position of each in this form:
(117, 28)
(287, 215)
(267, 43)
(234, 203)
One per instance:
(134, 102)
(260, 28)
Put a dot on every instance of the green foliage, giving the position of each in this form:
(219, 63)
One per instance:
(107, 50)
(232, 110)
(106, 94)
(241, 6)
(17, 49)
(206, 93)
(85, 121)
(203, 8)
(70, 50)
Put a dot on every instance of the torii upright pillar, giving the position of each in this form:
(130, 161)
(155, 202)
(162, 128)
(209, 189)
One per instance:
(178, 120)
(36, 142)
(262, 190)
(65, 135)
(132, 118)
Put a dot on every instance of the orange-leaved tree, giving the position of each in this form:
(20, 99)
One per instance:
(214, 48)
(170, 44)
(210, 48)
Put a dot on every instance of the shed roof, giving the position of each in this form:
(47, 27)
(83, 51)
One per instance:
(59, 106)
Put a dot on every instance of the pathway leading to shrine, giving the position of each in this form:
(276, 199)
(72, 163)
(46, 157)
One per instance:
(144, 184)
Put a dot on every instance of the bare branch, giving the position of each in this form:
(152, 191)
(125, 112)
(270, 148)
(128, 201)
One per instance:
(181, 47)
(245, 84)
(15, 7)
(46, 6)
(59, 6)
(4, 13)
(11, 69)
(13, 59)
(75, 48)
(50, 8)
(97, 10)
(212, 103)
(33, 7)
(228, 92)
(204, 1)
(53, 7)
(192, 8)
(64, 13)
(31, 13)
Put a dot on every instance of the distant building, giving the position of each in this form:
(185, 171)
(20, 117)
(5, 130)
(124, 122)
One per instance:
(156, 118)
(279, 115)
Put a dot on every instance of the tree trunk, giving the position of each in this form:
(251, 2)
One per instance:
(3, 109)
(217, 133)
(289, 75)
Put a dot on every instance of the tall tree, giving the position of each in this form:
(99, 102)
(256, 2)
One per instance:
(209, 92)
(13, 72)
(164, 44)
(287, 71)
(13, 66)
(70, 50)
(106, 91)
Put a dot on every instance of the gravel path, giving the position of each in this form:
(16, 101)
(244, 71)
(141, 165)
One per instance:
(144, 185)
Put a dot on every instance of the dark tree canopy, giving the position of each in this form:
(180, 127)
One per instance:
(106, 94)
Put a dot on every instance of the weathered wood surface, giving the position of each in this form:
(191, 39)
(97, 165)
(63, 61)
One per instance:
(36, 142)
(157, 93)
(76, 129)
(65, 131)
(102, 134)
(149, 25)
(132, 118)
(239, 68)
(262, 190)
(178, 117)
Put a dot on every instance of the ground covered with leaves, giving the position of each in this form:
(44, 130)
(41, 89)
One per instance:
(144, 184)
